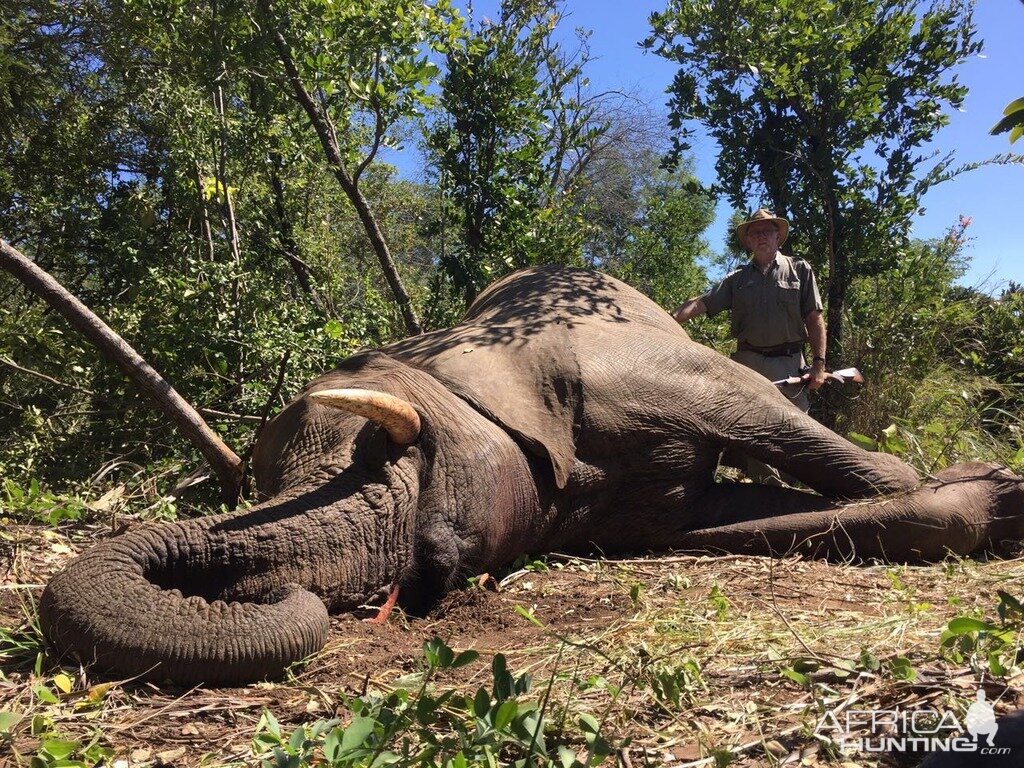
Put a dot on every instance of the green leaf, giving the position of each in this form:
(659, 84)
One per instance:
(297, 739)
(481, 703)
(269, 723)
(332, 745)
(902, 669)
(869, 661)
(795, 676)
(40, 725)
(264, 741)
(59, 748)
(635, 590)
(334, 329)
(588, 723)
(506, 711)
(8, 720)
(528, 616)
(356, 733)
(464, 658)
(964, 624)
(44, 694)
(1013, 119)
(1017, 105)
(438, 654)
(566, 757)
(995, 664)
(1008, 604)
(862, 441)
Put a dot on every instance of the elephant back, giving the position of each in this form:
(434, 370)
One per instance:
(536, 298)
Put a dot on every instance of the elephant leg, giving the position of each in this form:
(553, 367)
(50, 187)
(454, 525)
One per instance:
(757, 422)
(720, 404)
(963, 509)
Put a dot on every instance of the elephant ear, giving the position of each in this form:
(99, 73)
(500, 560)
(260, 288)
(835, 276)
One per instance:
(528, 384)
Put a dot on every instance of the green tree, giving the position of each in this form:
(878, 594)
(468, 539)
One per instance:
(646, 224)
(1013, 119)
(944, 362)
(358, 69)
(821, 109)
(515, 128)
(154, 168)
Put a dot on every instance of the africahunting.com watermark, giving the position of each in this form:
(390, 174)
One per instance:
(918, 730)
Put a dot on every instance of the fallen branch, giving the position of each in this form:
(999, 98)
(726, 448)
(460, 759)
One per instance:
(223, 461)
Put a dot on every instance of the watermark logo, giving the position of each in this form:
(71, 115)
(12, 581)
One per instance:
(981, 719)
(917, 730)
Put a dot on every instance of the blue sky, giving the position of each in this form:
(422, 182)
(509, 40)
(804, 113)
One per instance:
(990, 196)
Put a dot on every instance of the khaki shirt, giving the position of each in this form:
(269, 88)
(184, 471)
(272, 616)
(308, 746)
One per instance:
(767, 309)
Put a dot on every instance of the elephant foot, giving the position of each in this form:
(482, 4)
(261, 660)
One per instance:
(960, 510)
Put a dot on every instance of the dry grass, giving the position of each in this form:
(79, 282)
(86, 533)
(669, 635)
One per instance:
(685, 656)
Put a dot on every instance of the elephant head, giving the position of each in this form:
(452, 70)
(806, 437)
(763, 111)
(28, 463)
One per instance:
(565, 411)
(358, 497)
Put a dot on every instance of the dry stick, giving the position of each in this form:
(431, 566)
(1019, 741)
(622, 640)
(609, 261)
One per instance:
(11, 364)
(262, 419)
(150, 715)
(781, 615)
(222, 459)
(230, 416)
(286, 232)
(562, 556)
(205, 211)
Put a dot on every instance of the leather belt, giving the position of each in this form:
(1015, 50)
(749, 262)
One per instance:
(780, 350)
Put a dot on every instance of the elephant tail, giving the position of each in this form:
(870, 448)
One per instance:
(145, 605)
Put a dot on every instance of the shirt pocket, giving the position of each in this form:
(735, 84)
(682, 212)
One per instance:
(745, 297)
(788, 295)
(789, 291)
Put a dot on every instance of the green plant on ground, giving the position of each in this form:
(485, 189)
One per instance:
(988, 647)
(675, 684)
(21, 648)
(53, 748)
(418, 725)
(718, 602)
(33, 503)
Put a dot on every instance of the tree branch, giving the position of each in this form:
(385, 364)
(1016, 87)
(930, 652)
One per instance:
(222, 459)
(11, 364)
(378, 122)
(349, 184)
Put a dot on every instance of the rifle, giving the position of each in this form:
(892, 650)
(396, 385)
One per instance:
(842, 376)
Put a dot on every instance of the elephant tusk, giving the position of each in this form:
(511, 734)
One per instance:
(394, 414)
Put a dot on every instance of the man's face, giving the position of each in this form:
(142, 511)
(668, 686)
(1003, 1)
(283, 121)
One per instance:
(762, 238)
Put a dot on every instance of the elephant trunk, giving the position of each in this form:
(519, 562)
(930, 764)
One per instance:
(149, 604)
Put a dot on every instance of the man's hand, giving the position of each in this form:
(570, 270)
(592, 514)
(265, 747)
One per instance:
(816, 377)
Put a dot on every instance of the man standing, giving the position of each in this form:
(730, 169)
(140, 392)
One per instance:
(775, 305)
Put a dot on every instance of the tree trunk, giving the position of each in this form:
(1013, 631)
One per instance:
(223, 461)
(380, 247)
(348, 182)
(287, 235)
(205, 213)
(838, 282)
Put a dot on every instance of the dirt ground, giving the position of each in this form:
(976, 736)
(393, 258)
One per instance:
(759, 650)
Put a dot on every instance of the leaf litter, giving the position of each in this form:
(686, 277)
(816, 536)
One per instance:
(685, 660)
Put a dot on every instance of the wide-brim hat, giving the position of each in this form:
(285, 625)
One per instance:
(763, 214)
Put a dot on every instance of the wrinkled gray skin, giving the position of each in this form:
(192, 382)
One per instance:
(567, 411)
